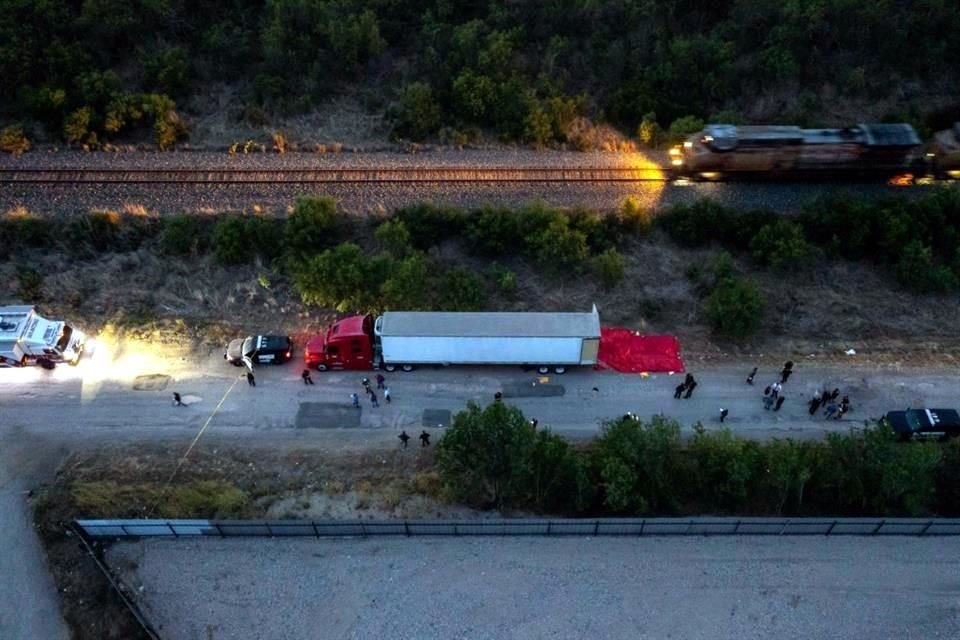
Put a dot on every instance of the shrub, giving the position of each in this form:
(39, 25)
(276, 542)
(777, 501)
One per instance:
(76, 127)
(231, 242)
(101, 231)
(734, 308)
(699, 224)
(493, 231)
(726, 465)
(24, 229)
(342, 277)
(610, 268)
(266, 236)
(649, 132)
(780, 245)
(918, 271)
(406, 285)
(313, 226)
(505, 280)
(416, 113)
(683, 127)
(429, 224)
(462, 290)
(168, 71)
(13, 140)
(184, 234)
(600, 230)
(558, 246)
(634, 218)
(29, 285)
(394, 237)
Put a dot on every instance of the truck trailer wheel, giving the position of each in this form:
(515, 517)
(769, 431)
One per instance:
(407, 367)
(389, 368)
(559, 370)
(543, 369)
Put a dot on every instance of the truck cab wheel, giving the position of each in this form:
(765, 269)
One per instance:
(543, 369)
(407, 367)
(321, 366)
(559, 370)
(389, 368)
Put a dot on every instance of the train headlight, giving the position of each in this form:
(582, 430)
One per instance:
(688, 145)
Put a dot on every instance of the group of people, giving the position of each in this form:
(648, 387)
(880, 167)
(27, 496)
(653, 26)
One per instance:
(688, 385)
(424, 438)
(773, 397)
(831, 408)
(374, 401)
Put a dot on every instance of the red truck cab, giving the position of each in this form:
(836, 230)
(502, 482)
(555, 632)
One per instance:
(347, 344)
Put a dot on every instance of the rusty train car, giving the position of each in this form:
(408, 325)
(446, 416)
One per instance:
(776, 151)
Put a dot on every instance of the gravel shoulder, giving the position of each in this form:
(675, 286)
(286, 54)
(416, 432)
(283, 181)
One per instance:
(692, 588)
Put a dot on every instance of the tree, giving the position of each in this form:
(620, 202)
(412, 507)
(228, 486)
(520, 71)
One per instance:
(558, 246)
(342, 277)
(917, 270)
(416, 113)
(649, 132)
(493, 231)
(394, 237)
(734, 308)
(463, 290)
(168, 71)
(406, 287)
(610, 267)
(780, 245)
(312, 226)
(231, 241)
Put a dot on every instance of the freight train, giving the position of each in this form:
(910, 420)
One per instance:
(888, 151)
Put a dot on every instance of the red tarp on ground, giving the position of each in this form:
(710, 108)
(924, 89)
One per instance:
(628, 352)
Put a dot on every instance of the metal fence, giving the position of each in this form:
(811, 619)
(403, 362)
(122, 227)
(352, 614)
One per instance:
(525, 527)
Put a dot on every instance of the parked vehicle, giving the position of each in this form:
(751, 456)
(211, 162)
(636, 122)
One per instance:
(404, 339)
(945, 152)
(724, 150)
(259, 350)
(27, 338)
(925, 423)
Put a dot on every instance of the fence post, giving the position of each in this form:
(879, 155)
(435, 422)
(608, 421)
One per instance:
(216, 525)
(879, 526)
(549, 522)
(123, 528)
(643, 524)
(313, 525)
(363, 529)
(928, 525)
(830, 530)
(269, 530)
(406, 528)
(172, 529)
(786, 523)
(596, 528)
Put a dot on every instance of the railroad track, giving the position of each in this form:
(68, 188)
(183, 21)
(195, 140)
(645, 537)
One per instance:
(342, 176)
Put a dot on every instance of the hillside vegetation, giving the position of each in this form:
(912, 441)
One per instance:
(92, 71)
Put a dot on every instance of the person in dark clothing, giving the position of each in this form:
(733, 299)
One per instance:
(788, 365)
(834, 394)
(845, 404)
(776, 407)
(306, 377)
(784, 375)
(723, 414)
(177, 401)
(690, 388)
(373, 399)
(366, 384)
(688, 380)
(424, 438)
(498, 396)
(751, 376)
(533, 423)
(815, 403)
(380, 380)
(678, 392)
(404, 438)
(250, 379)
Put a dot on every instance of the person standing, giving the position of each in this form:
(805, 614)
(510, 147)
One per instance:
(386, 394)
(498, 396)
(404, 438)
(533, 423)
(779, 403)
(380, 381)
(750, 377)
(723, 415)
(688, 380)
(784, 375)
(366, 384)
(831, 410)
(678, 392)
(814, 403)
(355, 399)
(373, 399)
(306, 377)
(767, 402)
(177, 401)
(775, 389)
(690, 388)
(250, 379)
(424, 438)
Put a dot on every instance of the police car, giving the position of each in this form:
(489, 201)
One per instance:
(924, 423)
(259, 350)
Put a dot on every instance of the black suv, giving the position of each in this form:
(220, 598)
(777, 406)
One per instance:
(259, 350)
(925, 423)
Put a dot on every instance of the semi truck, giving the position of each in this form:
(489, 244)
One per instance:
(27, 338)
(406, 339)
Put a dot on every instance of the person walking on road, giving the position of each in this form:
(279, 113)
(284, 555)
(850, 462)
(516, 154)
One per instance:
(250, 379)
(366, 384)
(815, 403)
(779, 403)
(723, 415)
(355, 399)
(404, 438)
(831, 410)
(767, 402)
(784, 375)
(775, 389)
(424, 438)
(306, 377)
(751, 376)
(373, 399)
(678, 392)
(386, 394)
(690, 388)
(834, 393)
(380, 381)
(177, 400)
(688, 380)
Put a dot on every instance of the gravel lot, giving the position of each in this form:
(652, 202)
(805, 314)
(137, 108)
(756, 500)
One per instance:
(366, 198)
(687, 588)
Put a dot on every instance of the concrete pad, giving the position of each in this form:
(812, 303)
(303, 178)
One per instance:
(151, 382)
(436, 418)
(533, 390)
(327, 415)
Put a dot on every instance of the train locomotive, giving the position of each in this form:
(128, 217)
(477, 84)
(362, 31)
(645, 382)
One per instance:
(775, 151)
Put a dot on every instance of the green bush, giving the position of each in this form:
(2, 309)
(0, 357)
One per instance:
(429, 224)
(25, 230)
(462, 290)
(394, 237)
(494, 458)
(505, 280)
(266, 236)
(558, 247)
(699, 224)
(493, 231)
(634, 218)
(185, 234)
(683, 127)
(343, 277)
(734, 308)
(609, 267)
(917, 271)
(780, 245)
(231, 241)
(29, 285)
(103, 231)
(168, 71)
(406, 287)
(313, 226)
(416, 113)
(13, 140)
(727, 467)
(649, 132)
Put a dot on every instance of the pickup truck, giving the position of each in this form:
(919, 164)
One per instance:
(912, 424)
(259, 350)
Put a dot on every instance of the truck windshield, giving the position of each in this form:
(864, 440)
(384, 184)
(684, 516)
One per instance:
(247, 348)
(64, 338)
(912, 420)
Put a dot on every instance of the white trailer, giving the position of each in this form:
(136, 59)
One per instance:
(27, 338)
(544, 340)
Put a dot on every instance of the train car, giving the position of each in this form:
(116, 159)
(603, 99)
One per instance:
(945, 152)
(777, 151)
